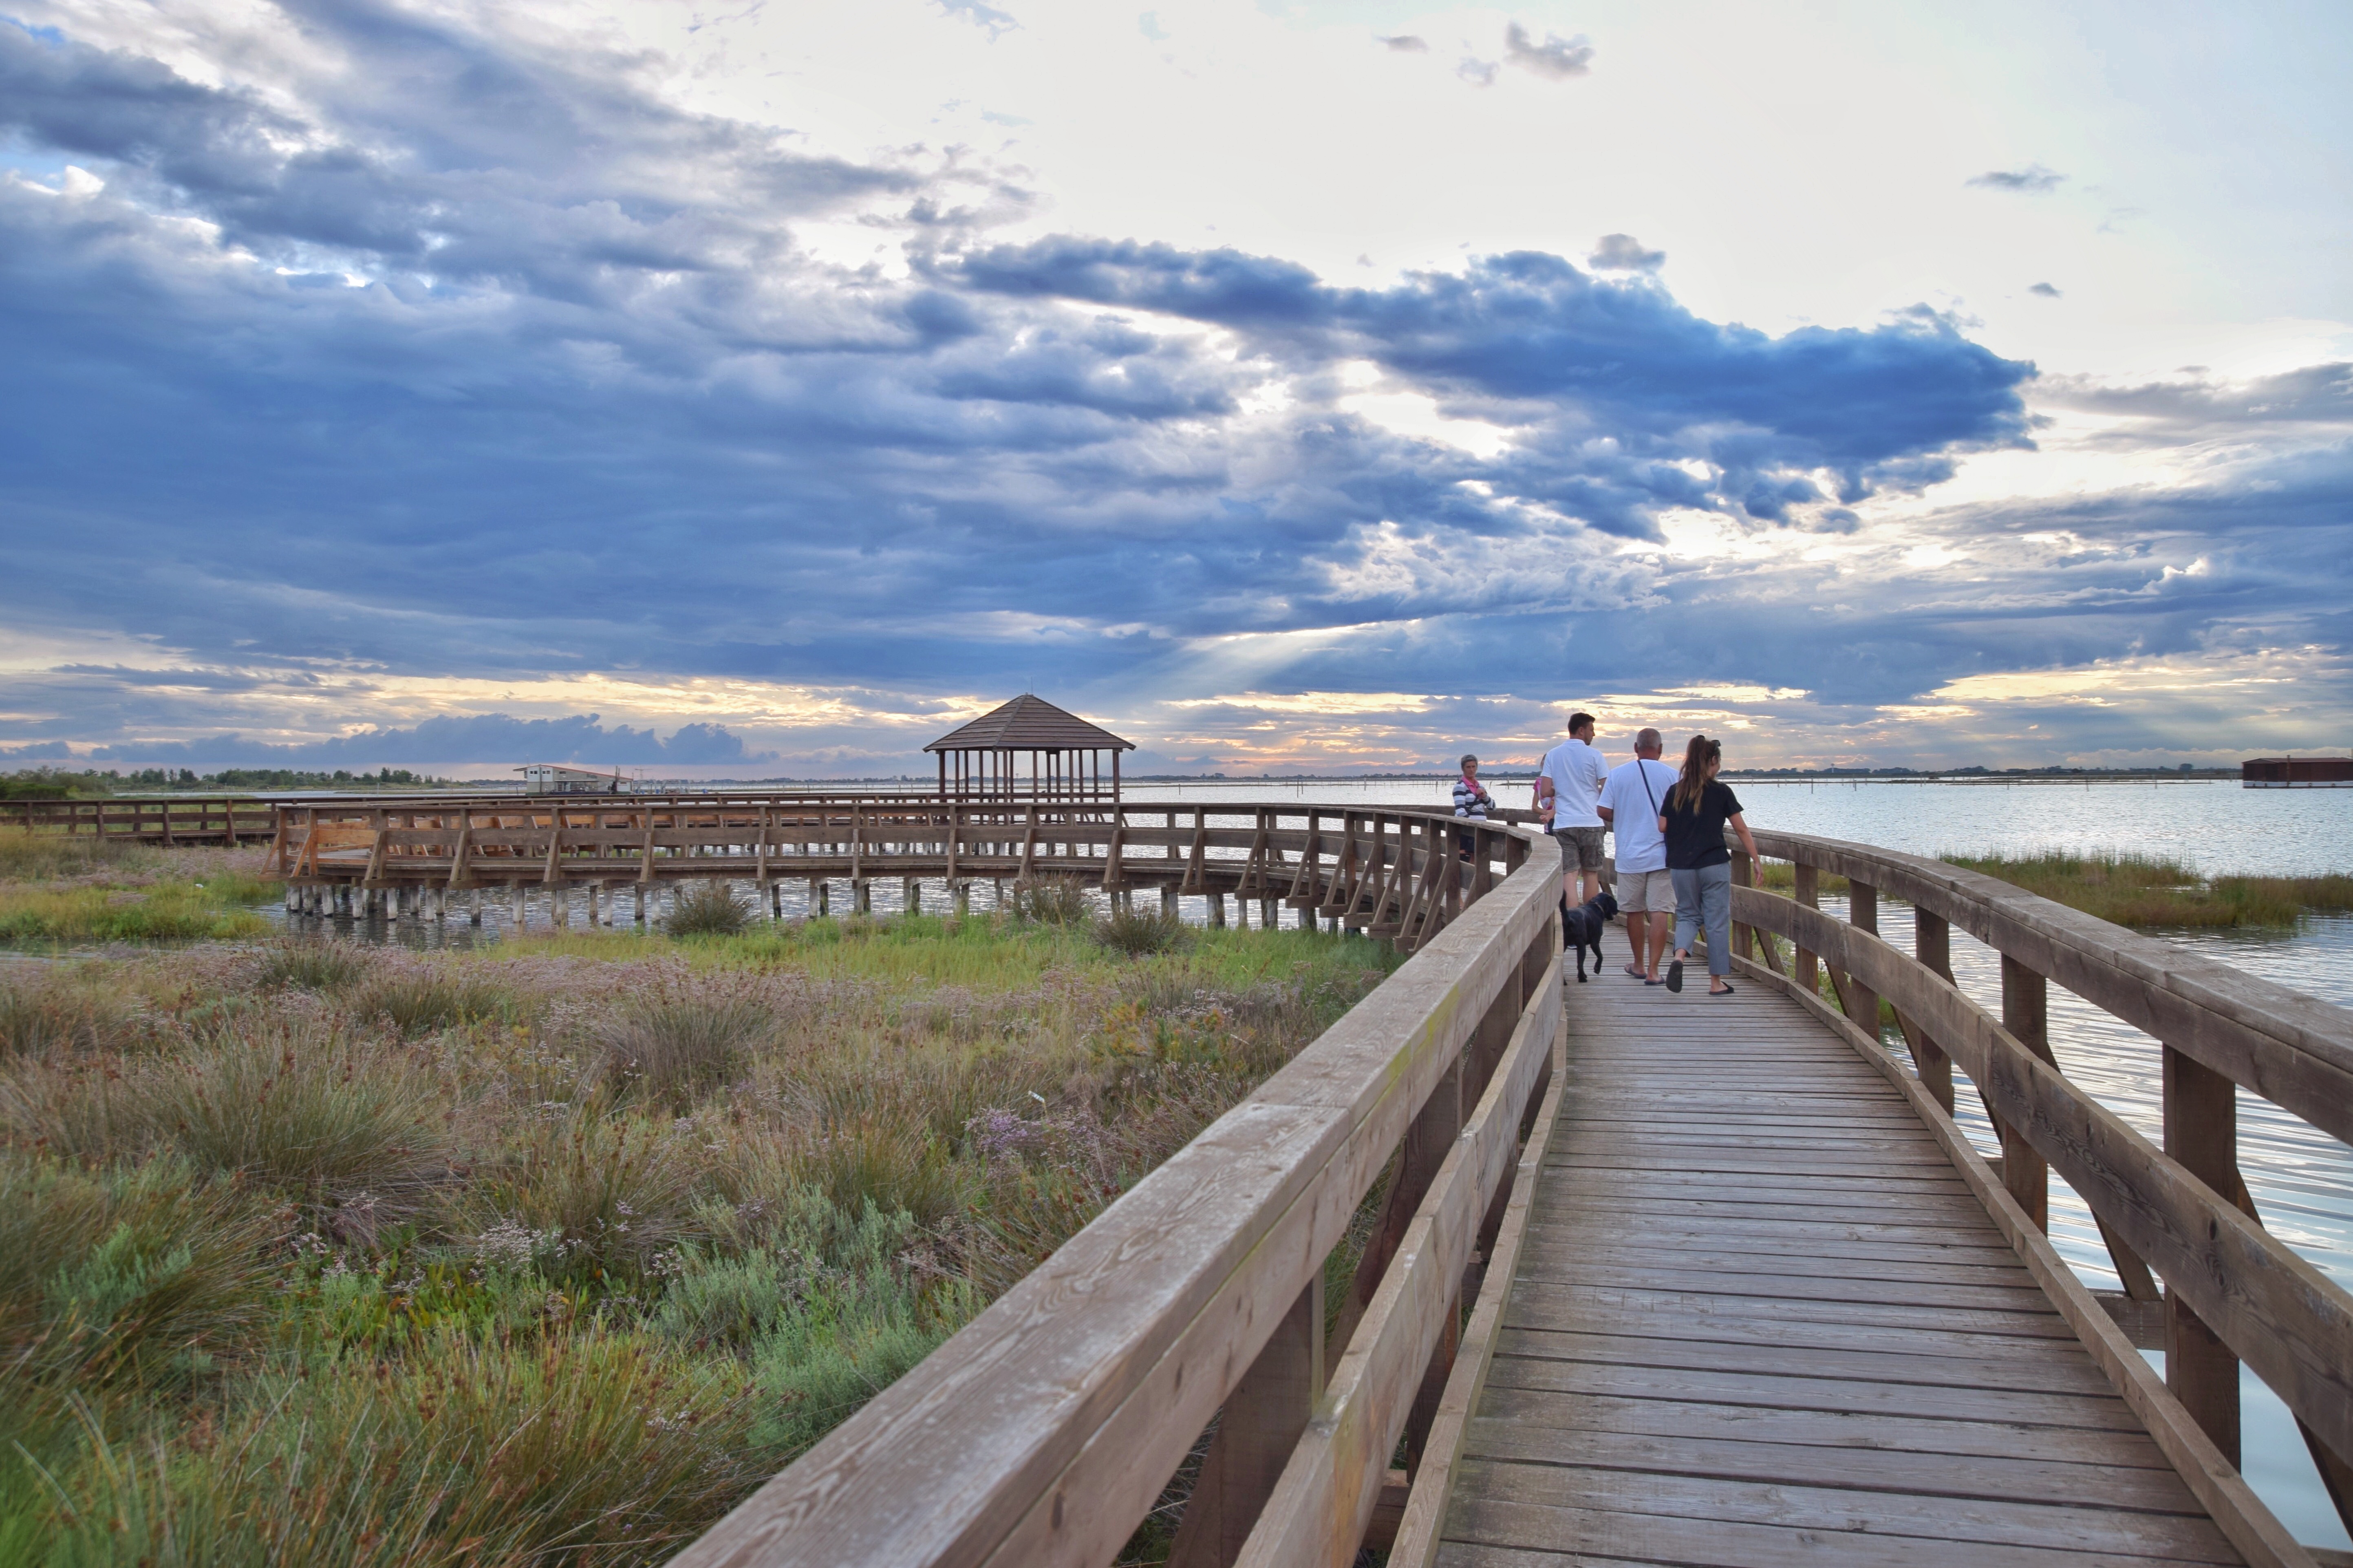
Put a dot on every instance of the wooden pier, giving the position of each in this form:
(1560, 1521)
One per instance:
(1651, 1278)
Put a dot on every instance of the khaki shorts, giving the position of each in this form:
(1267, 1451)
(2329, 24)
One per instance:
(1646, 892)
(1581, 847)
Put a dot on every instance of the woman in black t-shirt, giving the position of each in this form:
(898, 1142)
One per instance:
(1699, 866)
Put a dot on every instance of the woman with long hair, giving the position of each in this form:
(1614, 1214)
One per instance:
(1697, 810)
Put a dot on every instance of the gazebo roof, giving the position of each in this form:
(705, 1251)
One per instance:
(1029, 723)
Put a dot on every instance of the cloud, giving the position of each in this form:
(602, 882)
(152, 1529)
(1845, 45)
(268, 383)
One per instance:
(2047, 291)
(1624, 253)
(1405, 44)
(2033, 178)
(1557, 58)
(454, 362)
(981, 14)
(473, 738)
(1477, 72)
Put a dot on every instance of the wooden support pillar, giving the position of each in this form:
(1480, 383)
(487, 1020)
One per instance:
(2025, 1012)
(1262, 1423)
(474, 906)
(2201, 1131)
(1269, 914)
(911, 896)
(1931, 943)
(1168, 896)
(1216, 911)
(559, 901)
(1807, 968)
(1743, 875)
(821, 897)
(1862, 913)
(515, 892)
(861, 896)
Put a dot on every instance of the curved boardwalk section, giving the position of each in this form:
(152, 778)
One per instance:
(1758, 1318)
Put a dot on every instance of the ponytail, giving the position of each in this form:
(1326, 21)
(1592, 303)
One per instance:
(1702, 750)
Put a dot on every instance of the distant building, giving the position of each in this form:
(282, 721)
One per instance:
(561, 778)
(2296, 773)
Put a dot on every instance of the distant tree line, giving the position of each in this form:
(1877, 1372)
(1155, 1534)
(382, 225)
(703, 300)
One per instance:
(54, 783)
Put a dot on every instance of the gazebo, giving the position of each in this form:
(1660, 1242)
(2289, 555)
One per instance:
(982, 760)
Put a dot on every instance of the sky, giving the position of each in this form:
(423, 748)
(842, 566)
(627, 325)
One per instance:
(761, 390)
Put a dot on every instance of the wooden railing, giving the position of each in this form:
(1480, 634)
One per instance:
(1045, 1431)
(148, 820)
(2188, 1245)
(1396, 873)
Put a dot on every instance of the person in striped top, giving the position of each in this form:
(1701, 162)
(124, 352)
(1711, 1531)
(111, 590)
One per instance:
(1472, 800)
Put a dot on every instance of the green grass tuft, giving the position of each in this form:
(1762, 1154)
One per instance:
(711, 909)
(1136, 932)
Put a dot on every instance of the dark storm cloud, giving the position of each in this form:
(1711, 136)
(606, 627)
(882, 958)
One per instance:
(493, 363)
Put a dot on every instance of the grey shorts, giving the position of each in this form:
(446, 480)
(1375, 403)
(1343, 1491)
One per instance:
(1646, 892)
(1581, 847)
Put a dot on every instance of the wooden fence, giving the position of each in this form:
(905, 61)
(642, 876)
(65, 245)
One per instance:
(2202, 1280)
(1045, 1430)
(148, 820)
(1395, 873)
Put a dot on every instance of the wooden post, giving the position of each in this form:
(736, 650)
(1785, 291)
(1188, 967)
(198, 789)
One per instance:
(2025, 1012)
(1257, 1430)
(2201, 1131)
(1217, 912)
(1807, 968)
(1931, 943)
(1862, 913)
(1743, 875)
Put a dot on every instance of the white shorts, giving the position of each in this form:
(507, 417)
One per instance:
(1646, 892)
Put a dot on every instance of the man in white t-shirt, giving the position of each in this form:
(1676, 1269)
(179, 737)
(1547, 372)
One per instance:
(1568, 791)
(1631, 799)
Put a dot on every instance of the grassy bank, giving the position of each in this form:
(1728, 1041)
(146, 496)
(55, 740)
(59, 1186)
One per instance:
(62, 890)
(553, 1252)
(2133, 889)
(2152, 891)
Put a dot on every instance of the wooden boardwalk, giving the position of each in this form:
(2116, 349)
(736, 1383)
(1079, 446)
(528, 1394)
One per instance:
(1758, 1318)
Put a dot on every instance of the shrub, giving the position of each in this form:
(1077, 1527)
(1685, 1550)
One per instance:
(164, 912)
(1137, 932)
(293, 1105)
(585, 1197)
(141, 1274)
(1052, 901)
(711, 909)
(676, 1048)
(426, 1001)
(312, 964)
(849, 1333)
(36, 1020)
(597, 1447)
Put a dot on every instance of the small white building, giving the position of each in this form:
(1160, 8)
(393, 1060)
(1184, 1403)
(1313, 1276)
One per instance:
(563, 778)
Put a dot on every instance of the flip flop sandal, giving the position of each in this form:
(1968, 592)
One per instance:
(1726, 991)
(1675, 976)
(1649, 981)
(1630, 969)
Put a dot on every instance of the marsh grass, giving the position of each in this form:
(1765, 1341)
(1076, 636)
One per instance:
(313, 963)
(1139, 932)
(2133, 890)
(314, 1263)
(292, 1105)
(675, 1048)
(425, 1000)
(28, 855)
(164, 912)
(709, 909)
(1054, 901)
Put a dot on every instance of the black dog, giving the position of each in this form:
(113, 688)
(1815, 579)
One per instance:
(1581, 927)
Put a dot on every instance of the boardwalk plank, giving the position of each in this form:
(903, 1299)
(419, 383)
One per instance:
(1759, 1319)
